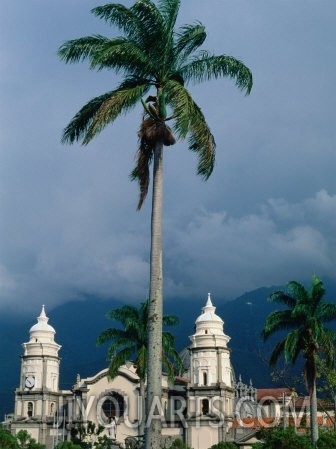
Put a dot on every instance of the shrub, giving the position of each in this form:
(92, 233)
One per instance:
(224, 445)
(326, 440)
(282, 439)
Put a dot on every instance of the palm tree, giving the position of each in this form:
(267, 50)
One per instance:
(158, 60)
(304, 319)
(132, 340)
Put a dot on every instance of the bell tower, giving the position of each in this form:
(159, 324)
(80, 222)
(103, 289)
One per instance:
(40, 361)
(37, 397)
(210, 394)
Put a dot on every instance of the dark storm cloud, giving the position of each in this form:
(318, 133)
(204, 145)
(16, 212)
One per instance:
(267, 214)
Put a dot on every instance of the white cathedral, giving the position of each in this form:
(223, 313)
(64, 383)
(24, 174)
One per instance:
(198, 407)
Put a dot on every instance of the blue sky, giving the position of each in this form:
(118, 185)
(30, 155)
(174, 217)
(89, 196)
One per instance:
(69, 225)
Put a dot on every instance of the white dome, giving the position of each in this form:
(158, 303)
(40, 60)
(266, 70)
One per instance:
(42, 326)
(42, 338)
(208, 313)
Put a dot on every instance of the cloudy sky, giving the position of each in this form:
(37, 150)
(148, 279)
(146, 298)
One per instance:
(68, 220)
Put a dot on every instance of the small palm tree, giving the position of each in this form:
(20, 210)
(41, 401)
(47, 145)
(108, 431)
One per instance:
(132, 341)
(304, 320)
(156, 59)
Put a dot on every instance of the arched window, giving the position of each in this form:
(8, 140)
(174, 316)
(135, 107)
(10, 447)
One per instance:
(113, 405)
(205, 378)
(30, 409)
(205, 406)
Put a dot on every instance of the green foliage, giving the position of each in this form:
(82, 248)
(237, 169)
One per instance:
(25, 441)
(22, 440)
(224, 445)
(86, 437)
(306, 334)
(326, 378)
(132, 341)
(288, 439)
(104, 442)
(327, 440)
(68, 445)
(7, 440)
(178, 444)
(282, 439)
(151, 53)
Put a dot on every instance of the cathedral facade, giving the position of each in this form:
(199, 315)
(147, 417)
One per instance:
(198, 407)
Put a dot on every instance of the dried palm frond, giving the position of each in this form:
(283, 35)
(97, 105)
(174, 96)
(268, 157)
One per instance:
(141, 170)
(151, 132)
(154, 131)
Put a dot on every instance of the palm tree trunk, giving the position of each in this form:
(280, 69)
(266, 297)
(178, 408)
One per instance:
(141, 429)
(154, 360)
(313, 413)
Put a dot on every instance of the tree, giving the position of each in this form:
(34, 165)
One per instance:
(68, 445)
(224, 445)
(7, 440)
(326, 378)
(132, 340)
(304, 319)
(327, 440)
(26, 441)
(154, 58)
(85, 436)
(282, 439)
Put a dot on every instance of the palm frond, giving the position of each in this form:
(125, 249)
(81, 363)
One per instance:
(170, 357)
(283, 297)
(277, 321)
(153, 27)
(117, 361)
(141, 170)
(327, 342)
(76, 50)
(118, 53)
(170, 320)
(153, 131)
(122, 55)
(141, 361)
(120, 345)
(169, 11)
(277, 352)
(202, 142)
(326, 312)
(103, 110)
(207, 67)
(293, 346)
(189, 119)
(126, 315)
(317, 292)
(110, 334)
(298, 291)
(189, 38)
(78, 126)
(120, 16)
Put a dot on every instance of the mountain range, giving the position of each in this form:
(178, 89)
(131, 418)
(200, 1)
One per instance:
(78, 323)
